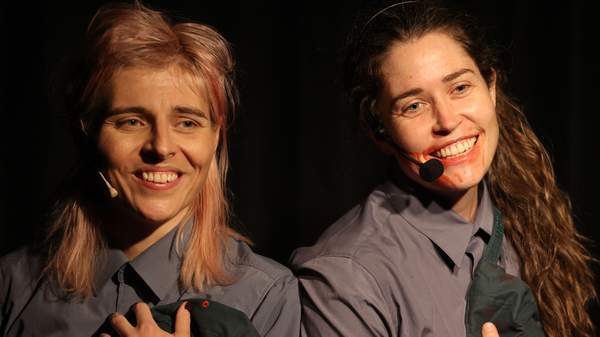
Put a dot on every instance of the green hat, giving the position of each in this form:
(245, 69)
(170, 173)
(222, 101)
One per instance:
(497, 297)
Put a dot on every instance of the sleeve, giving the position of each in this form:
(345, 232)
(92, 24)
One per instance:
(4, 297)
(279, 312)
(341, 298)
(3, 287)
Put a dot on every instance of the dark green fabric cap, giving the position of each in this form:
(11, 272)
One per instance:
(504, 300)
(497, 297)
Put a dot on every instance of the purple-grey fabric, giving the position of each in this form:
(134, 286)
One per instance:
(262, 289)
(398, 264)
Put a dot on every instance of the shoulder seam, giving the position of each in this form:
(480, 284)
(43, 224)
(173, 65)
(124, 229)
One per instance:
(367, 271)
(264, 294)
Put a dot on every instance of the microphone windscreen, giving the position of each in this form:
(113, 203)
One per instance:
(431, 170)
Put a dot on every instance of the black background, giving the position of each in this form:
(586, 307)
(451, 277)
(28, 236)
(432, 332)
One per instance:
(298, 158)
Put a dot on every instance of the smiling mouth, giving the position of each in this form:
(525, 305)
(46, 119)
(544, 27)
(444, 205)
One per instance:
(158, 177)
(455, 149)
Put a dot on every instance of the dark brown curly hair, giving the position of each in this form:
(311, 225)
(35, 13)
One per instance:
(537, 214)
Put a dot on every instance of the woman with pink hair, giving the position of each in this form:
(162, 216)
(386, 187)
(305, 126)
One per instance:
(144, 216)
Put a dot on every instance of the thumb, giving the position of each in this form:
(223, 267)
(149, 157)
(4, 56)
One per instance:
(182, 321)
(489, 330)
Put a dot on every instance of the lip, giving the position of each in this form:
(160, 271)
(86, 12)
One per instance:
(154, 186)
(463, 157)
(158, 169)
(438, 147)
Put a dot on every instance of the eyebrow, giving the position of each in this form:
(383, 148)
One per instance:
(143, 111)
(131, 109)
(456, 74)
(447, 78)
(191, 111)
(411, 92)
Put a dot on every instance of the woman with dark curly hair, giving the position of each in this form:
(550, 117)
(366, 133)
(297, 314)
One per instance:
(472, 228)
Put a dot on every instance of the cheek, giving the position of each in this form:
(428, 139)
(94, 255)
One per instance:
(492, 135)
(201, 160)
(412, 136)
(494, 131)
(200, 152)
(116, 151)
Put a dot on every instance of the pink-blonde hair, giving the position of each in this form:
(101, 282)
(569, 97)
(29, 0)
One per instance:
(127, 35)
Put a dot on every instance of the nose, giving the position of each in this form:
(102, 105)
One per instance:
(447, 118)
(160, 145)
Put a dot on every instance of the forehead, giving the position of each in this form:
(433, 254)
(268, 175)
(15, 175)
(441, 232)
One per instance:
(148, 85)
(427, 58)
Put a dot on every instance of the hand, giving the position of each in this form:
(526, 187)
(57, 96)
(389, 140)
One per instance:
(146, 326)
(489, 330)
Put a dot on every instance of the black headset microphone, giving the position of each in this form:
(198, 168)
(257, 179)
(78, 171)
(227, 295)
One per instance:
(428, 171)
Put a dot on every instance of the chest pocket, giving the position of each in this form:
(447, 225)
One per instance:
(497, 297)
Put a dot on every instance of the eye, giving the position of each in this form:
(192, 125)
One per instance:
(412, 109)
(130, 123)
(413, 106)
(461, 89)
(189, 124)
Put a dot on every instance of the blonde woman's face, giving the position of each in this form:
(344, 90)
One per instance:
(436, 104)
(158, 141)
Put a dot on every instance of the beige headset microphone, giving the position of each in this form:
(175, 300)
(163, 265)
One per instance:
(113, 191)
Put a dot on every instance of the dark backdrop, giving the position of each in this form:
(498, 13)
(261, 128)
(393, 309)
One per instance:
(298, 158)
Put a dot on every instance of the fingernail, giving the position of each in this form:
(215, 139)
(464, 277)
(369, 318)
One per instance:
(488, 327)
(112, 316)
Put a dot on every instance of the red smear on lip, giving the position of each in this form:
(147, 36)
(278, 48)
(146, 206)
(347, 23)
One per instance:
(418, 155)
(443, 179)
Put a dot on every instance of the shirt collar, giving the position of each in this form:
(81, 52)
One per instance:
(111, 259)
(446, 229)
(484, 218)
(158, 266)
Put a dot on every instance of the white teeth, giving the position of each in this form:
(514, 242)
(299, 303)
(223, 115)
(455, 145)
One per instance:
(456, 148)
(159, 177)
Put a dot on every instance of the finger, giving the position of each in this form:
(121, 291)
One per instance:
(121, 325)
(143, 315)
(182, 321)
(104, 335)
(489, 330)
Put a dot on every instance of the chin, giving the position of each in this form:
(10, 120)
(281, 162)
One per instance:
(459, 182)
(158, 216)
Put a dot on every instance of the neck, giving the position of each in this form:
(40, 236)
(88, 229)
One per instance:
(134, 235)
(466, 204)
(463, 203)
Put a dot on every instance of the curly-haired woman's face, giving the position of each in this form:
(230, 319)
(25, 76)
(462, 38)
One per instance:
(435, 104)
(158, 141)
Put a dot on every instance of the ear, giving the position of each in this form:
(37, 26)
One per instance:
(382, 143)
(377, 131)
(492, 86)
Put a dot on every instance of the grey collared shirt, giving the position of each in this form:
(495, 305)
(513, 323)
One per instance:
(398, 264)
(263, 289)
